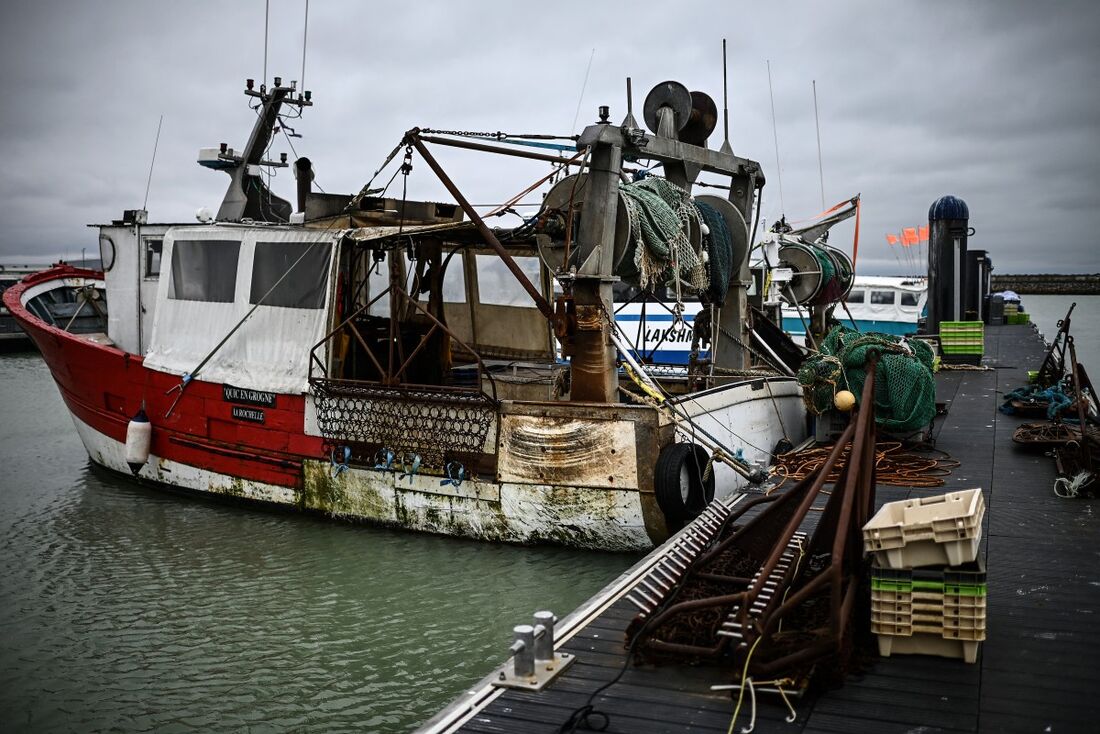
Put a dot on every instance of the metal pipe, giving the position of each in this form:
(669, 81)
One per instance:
(414, 139)
(303, 174)
(800, 513)
(470, 145)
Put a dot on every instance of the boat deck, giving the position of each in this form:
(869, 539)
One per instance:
(1036, 671)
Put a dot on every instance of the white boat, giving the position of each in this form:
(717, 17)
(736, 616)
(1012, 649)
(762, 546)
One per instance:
(885, 304)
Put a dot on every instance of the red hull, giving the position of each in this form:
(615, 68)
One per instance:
(104, 387)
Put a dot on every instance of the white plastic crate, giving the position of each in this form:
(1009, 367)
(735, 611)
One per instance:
(928, 531)
(924, 643)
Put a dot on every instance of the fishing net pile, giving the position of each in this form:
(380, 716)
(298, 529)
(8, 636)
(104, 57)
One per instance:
(661, 215)
(718, 243)
(1054, 399)
(905, 391)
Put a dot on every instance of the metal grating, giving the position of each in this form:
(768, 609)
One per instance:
(434, 423)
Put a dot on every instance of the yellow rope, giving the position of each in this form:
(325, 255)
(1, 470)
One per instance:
(741, 695)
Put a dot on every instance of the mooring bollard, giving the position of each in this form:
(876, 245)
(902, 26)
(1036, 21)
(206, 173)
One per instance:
(523, 651)
(533, 663)
(544, 636)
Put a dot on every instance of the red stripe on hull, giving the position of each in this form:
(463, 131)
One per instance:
(104, 386)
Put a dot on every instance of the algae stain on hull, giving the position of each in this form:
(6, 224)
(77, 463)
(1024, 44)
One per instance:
(341, 496)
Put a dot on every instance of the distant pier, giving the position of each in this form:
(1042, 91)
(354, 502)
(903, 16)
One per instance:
(1049, 285)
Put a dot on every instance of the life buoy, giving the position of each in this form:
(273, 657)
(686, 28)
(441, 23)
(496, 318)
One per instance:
(682, 492)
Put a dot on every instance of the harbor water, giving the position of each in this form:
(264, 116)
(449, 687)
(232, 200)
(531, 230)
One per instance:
(1045, 311)
(125, 609)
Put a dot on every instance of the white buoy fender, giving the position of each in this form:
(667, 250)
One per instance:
(139, 436)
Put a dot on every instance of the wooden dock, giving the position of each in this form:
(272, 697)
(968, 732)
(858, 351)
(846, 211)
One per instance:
(1038, 670)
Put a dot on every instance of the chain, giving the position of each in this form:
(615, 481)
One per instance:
(467, 134)
(497, 135)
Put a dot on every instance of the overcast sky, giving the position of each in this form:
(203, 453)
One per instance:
(994, 102)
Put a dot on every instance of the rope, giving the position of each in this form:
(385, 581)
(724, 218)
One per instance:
(741, 695)
(894, 466)
(1068, 488)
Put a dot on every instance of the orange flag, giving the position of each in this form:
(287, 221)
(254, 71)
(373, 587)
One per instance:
(923, 231)
(909, 236)
(892, 239)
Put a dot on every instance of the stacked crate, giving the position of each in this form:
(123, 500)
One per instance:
(962, 340)
(928, 591)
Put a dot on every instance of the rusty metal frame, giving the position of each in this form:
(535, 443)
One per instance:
(778, 587)
(413, 138)
(392, 377)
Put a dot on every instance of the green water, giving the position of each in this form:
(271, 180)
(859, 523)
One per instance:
(124, 609)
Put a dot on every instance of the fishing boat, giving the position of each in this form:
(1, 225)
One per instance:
(77, 310)
(400, 362)
(884, 304)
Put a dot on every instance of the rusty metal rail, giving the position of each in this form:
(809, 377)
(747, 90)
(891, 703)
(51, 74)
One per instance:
(734, 595)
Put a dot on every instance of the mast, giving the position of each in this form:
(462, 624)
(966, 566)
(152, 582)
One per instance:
(248, 197)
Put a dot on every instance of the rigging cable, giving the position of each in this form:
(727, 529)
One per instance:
(775, 137)
(584, 85)
(149, 181)
(817, 126)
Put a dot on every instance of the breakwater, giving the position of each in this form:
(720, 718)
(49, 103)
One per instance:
(1049, 284)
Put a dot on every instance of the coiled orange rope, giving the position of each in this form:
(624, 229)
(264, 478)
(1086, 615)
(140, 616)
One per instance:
(894, 465)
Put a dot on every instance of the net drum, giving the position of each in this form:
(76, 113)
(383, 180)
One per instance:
(821, 275)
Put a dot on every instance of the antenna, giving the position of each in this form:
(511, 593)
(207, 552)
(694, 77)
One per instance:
(629, 123)
(775, 137)
(577, 114)
(267, 14)
(305, 36)
(149, 181)
(820, 170)
(725, 106)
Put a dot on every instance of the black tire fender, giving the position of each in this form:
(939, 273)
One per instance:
(678, 482)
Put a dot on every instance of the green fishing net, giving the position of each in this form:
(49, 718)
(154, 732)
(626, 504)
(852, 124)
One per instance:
(905, 391)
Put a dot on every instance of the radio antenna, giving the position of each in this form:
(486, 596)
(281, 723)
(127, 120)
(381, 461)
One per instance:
(267, 15)
(725, 106)
(775, 137)
(820, 170)
(149, 181)
(305, 36)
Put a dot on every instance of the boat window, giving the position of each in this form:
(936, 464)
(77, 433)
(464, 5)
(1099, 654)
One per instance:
(377, 282)
(305, 265)
(854, 297)
(153, 249)
(882, 297)
(204, 270)
(454, 280)
(908, 299)
(496, 286)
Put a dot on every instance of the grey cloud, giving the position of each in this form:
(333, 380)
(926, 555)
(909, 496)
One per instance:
(990, 101)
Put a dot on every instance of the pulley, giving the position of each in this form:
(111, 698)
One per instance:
(673, 95)
(567, 195)
(701, 121)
